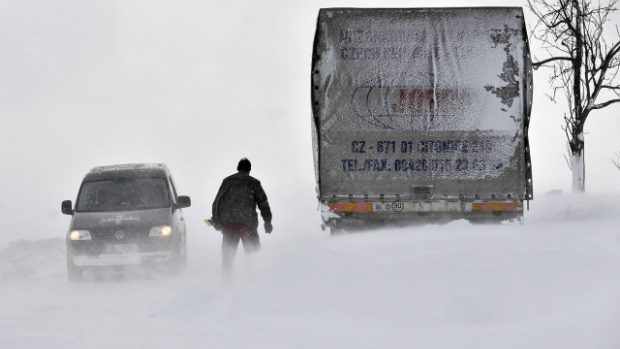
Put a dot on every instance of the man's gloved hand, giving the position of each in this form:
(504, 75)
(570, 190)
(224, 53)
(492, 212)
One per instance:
(268, 227)
(217, 226)
(212, 222)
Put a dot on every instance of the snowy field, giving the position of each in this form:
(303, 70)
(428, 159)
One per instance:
(552, 282)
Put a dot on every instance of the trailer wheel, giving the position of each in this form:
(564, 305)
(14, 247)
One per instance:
(335, 231)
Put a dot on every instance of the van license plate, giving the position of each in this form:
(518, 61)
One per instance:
(121, 249)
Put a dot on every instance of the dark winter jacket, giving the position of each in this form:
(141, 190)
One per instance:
(237, 199)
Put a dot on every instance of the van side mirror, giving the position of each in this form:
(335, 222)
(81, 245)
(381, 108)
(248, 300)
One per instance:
(67, 207)
(183, 202)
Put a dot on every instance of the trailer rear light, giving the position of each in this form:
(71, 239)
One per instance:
(350, 207)
(494, 206)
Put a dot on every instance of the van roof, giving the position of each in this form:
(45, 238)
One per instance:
(127, 171)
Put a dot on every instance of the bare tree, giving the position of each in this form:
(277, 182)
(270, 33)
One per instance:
(585, 65)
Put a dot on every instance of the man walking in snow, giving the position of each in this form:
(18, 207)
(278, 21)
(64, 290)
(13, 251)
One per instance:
(234, 212)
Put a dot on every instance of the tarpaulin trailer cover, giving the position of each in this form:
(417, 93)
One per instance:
(421, 103)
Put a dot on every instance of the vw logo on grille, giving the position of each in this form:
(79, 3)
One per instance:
(119, 235)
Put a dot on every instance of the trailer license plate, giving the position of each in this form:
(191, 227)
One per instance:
(121, 249)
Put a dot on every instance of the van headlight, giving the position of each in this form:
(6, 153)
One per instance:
(79, 235)
(160, 231)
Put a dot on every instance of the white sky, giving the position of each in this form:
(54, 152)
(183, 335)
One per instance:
(196, 86)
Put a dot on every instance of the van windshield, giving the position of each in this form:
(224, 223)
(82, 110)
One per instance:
(123, 194)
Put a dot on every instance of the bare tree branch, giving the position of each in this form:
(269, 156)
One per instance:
(604, 104)
(537, 65)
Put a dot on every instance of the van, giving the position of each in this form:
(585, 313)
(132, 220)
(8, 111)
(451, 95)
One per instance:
(126, 215)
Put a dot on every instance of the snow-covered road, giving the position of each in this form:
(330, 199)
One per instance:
(553, 282)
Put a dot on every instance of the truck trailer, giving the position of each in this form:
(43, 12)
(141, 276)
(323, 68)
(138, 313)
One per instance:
(421, 114)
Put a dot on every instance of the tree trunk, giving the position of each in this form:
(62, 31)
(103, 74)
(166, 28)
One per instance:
(577, 161)
(577, 141)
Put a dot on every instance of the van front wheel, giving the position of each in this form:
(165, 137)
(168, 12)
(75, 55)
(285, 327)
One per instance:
(179, 260)
(74, 273)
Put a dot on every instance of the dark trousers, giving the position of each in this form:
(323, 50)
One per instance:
(232, 233)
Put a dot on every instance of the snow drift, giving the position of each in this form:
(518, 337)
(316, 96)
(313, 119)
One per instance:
(549, 283)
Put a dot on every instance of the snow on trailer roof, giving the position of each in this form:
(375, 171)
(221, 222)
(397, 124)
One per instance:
(138, 170)
(419, 9)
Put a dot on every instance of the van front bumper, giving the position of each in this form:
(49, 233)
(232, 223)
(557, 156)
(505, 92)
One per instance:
(104, 254)
(125, 259)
